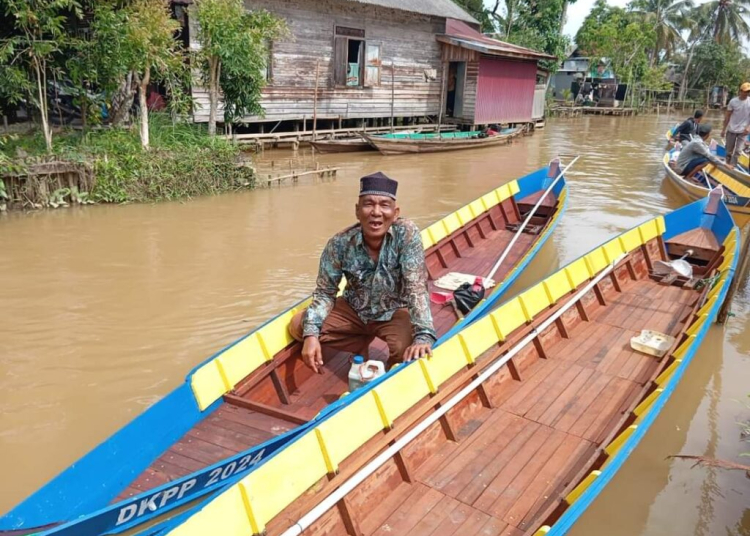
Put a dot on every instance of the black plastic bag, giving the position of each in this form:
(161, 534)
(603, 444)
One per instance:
(467, 296)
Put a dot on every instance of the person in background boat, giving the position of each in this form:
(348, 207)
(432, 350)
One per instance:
(696, 154)
(386, 293)
(737, 124)
(688, 128)
(493, 130)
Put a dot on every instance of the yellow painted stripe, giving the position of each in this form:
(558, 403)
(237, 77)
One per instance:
(666, 374)
(645, 404)
(696, 326)
(730, 182)
(542, 531)
(617, 442)
(580, 488)
(684, 347)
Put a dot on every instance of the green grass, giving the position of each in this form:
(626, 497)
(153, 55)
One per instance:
(183, 161)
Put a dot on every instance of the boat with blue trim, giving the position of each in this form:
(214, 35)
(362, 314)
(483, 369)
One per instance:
(253, 397)
(516, 423)
(401, 143)
(736, 192)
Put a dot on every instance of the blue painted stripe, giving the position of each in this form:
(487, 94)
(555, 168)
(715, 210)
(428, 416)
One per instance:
(86, 488)
(574, 512)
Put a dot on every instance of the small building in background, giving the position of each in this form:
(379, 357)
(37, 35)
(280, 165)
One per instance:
(489, 81)
(415, 60)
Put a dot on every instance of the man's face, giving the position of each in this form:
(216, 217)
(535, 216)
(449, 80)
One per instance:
(744, 94)
(698, 119)
(376, 214)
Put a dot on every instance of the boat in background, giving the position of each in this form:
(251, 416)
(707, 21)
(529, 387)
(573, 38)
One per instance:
(342, 145)
(736, 193)
(516, 423)
(251, 398)
(400, 143)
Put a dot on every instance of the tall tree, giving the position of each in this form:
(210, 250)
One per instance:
(618, 35)
(667, 17)
(37, 39)
(698, 26)
(730, 20)
(233, 56)
(151, 51)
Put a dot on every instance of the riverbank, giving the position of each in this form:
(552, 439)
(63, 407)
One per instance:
(109, 166)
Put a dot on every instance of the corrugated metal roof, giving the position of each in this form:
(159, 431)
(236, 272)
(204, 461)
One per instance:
(461, 35)
(437, 8)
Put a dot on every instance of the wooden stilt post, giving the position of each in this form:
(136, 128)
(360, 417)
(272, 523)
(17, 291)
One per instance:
(393, 91)
(442, 97)
(315, 99)
(739, 276)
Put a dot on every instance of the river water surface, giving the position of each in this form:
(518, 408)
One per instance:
(105, 309)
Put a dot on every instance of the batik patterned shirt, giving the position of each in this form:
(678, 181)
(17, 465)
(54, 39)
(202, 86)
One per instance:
(375, 290)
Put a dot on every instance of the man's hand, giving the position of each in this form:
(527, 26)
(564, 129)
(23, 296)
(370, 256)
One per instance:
(312, 355)
(724, 133)
(415, 351)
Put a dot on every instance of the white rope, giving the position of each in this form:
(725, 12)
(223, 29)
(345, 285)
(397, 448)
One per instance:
(329, 502)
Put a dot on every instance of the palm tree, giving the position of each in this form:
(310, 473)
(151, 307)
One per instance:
(698, 21)
(668, 19)
(729, 18)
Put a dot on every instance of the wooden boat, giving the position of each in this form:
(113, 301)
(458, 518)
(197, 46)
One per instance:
(516, 423)
(400, 143)
(736, 194)
(742, 173)
(254, 396)
(345, 145)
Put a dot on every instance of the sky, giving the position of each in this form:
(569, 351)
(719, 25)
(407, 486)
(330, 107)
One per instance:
(578, 11)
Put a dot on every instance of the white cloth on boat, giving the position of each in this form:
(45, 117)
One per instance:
(453, 280)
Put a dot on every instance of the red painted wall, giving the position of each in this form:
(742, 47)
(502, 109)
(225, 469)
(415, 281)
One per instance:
(505, 91)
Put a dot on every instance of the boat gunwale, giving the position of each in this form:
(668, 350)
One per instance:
(510, 278)
(574, 511)
(700, 204)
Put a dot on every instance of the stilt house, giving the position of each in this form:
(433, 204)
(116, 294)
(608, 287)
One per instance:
(374, 59)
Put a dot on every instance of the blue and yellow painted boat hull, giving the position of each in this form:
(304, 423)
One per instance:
(79, 501)
(307, 468)
(736, 194)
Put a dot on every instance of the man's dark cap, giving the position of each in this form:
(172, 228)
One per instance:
(704, 129)
(378, 184)
(698, 114)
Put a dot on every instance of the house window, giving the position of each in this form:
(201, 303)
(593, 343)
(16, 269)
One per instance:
(357, 62)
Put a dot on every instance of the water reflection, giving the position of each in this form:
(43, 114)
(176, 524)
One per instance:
(105, 309)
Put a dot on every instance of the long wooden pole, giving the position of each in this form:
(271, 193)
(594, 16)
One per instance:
(739, 277)
(346, 487)
(442, 98)
(315, 99)
(393, 92)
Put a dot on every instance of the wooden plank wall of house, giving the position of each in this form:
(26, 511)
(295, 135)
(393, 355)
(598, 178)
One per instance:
(471, 57)
(323, 32)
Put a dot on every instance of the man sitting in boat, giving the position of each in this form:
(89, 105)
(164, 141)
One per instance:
(688, 128)
(386, 292)
(696, 154)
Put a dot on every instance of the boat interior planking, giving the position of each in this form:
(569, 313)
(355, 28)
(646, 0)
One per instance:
(249, 399)
(531, 446)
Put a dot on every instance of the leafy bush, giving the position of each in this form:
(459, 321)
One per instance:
(183, 161)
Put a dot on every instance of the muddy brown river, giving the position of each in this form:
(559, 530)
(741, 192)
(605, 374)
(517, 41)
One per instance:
(105, 309)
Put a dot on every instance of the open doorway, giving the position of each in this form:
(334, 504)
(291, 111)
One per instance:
(454, 101)
(354, 62)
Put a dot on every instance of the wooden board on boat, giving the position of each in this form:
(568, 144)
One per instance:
(256, 395)
(512, 426)
(736, 194)
(431, 143)
(347, 145)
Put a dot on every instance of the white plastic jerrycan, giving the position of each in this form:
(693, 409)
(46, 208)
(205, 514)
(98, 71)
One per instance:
(362, 372)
